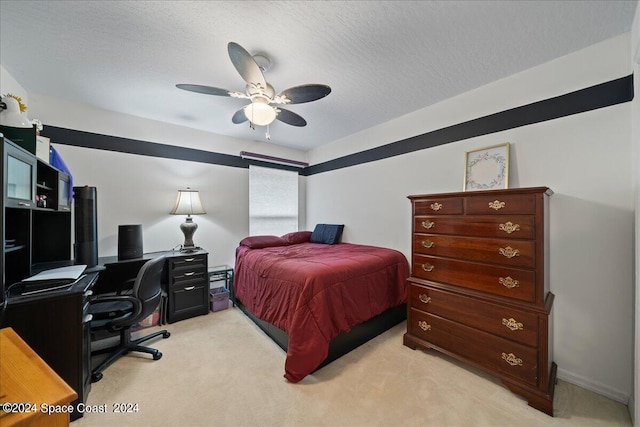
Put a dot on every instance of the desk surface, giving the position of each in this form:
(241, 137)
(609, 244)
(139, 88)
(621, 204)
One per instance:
(25, 377)
(81, 286)
(107, 260)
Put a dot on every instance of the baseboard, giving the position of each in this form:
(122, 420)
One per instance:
(594, 386)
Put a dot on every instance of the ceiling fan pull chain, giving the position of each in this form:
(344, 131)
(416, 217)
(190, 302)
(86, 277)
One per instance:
(268, 135)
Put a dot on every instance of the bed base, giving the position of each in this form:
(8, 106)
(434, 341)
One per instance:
(345, 341)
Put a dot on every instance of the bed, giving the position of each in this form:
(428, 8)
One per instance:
(318, 300)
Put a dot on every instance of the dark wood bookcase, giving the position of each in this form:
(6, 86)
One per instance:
(36, 236)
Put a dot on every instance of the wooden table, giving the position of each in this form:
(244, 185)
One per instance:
(32, 394)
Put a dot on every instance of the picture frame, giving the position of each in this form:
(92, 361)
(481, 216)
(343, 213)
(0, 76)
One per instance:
(487, 168)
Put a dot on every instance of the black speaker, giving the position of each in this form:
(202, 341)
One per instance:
(86, 225)
(129, 241)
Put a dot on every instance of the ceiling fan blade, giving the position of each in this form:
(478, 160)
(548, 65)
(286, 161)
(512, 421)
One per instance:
(303, 93)
(207, 90)
(239, 116)
(290, 118)
(246, 65)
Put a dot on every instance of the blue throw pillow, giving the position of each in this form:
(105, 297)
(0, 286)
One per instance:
(329, 234)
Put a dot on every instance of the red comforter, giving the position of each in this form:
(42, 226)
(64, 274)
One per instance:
(315, 291)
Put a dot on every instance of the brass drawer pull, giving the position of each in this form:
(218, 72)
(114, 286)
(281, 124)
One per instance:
(509, 252)
(509, 227)
(511, 359)
(427, 244)
(509, 282)
(436, 206)
(425, 326)
(512, 324)
(424, 298)
(189, 288)
(427, 267)
(497, 205)
(428, 224)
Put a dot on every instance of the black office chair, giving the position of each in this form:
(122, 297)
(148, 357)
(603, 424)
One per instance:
(119, 312)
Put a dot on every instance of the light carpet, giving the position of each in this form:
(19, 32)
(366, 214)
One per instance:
(221, 370)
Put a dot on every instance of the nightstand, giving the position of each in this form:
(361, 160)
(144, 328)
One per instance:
(187, 285)
(220, 273)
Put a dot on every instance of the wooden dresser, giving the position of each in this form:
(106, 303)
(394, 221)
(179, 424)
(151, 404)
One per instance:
(478, 289)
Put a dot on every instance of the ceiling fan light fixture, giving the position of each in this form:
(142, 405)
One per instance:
(259, 112)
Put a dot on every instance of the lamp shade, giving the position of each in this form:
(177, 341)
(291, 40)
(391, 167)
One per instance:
(188, 203)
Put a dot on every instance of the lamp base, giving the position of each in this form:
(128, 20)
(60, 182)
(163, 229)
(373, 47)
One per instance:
(188, 228)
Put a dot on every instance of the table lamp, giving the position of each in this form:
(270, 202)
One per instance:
(188, 203)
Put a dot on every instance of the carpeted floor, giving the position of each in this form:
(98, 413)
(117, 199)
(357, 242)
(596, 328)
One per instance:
(221, 370)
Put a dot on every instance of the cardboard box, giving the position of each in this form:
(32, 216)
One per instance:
(219, 298)
(151, 320)
(42, 148)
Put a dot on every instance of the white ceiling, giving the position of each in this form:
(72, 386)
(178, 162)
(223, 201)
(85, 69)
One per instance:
(382, 59)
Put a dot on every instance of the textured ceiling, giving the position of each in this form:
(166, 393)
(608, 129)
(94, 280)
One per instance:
(382, 59)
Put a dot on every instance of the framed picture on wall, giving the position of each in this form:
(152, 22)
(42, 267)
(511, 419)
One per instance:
(487, 168)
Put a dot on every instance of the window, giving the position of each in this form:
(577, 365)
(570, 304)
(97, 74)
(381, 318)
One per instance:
(273, 201)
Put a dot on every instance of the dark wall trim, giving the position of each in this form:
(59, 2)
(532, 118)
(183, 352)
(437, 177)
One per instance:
(599, 96)
(98, 141)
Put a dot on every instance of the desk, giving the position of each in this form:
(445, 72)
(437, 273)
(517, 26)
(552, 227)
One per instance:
(115, 271)
(184, 281)
(25, 377)
(55, 324)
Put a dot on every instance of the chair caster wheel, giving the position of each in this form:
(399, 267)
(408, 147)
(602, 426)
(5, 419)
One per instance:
(166, 335)
(96, 377)
(157, 355)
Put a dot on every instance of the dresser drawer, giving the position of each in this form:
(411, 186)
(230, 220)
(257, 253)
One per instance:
(514, 253)
(501, 204)
(509, 323)
(443, 206)
(514, 226)
(508, 282)
(491, 352)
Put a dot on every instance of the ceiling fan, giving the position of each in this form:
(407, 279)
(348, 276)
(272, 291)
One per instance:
(265, 103)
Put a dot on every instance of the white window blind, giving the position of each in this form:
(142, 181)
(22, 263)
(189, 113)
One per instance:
(273, 201)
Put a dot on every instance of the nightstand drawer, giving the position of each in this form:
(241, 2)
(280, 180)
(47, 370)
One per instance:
(188, 301)
(187, 275)
(187, 262)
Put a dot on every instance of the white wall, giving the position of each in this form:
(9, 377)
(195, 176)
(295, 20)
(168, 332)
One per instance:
(585, 159)
(634, 406)
(135, 189)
